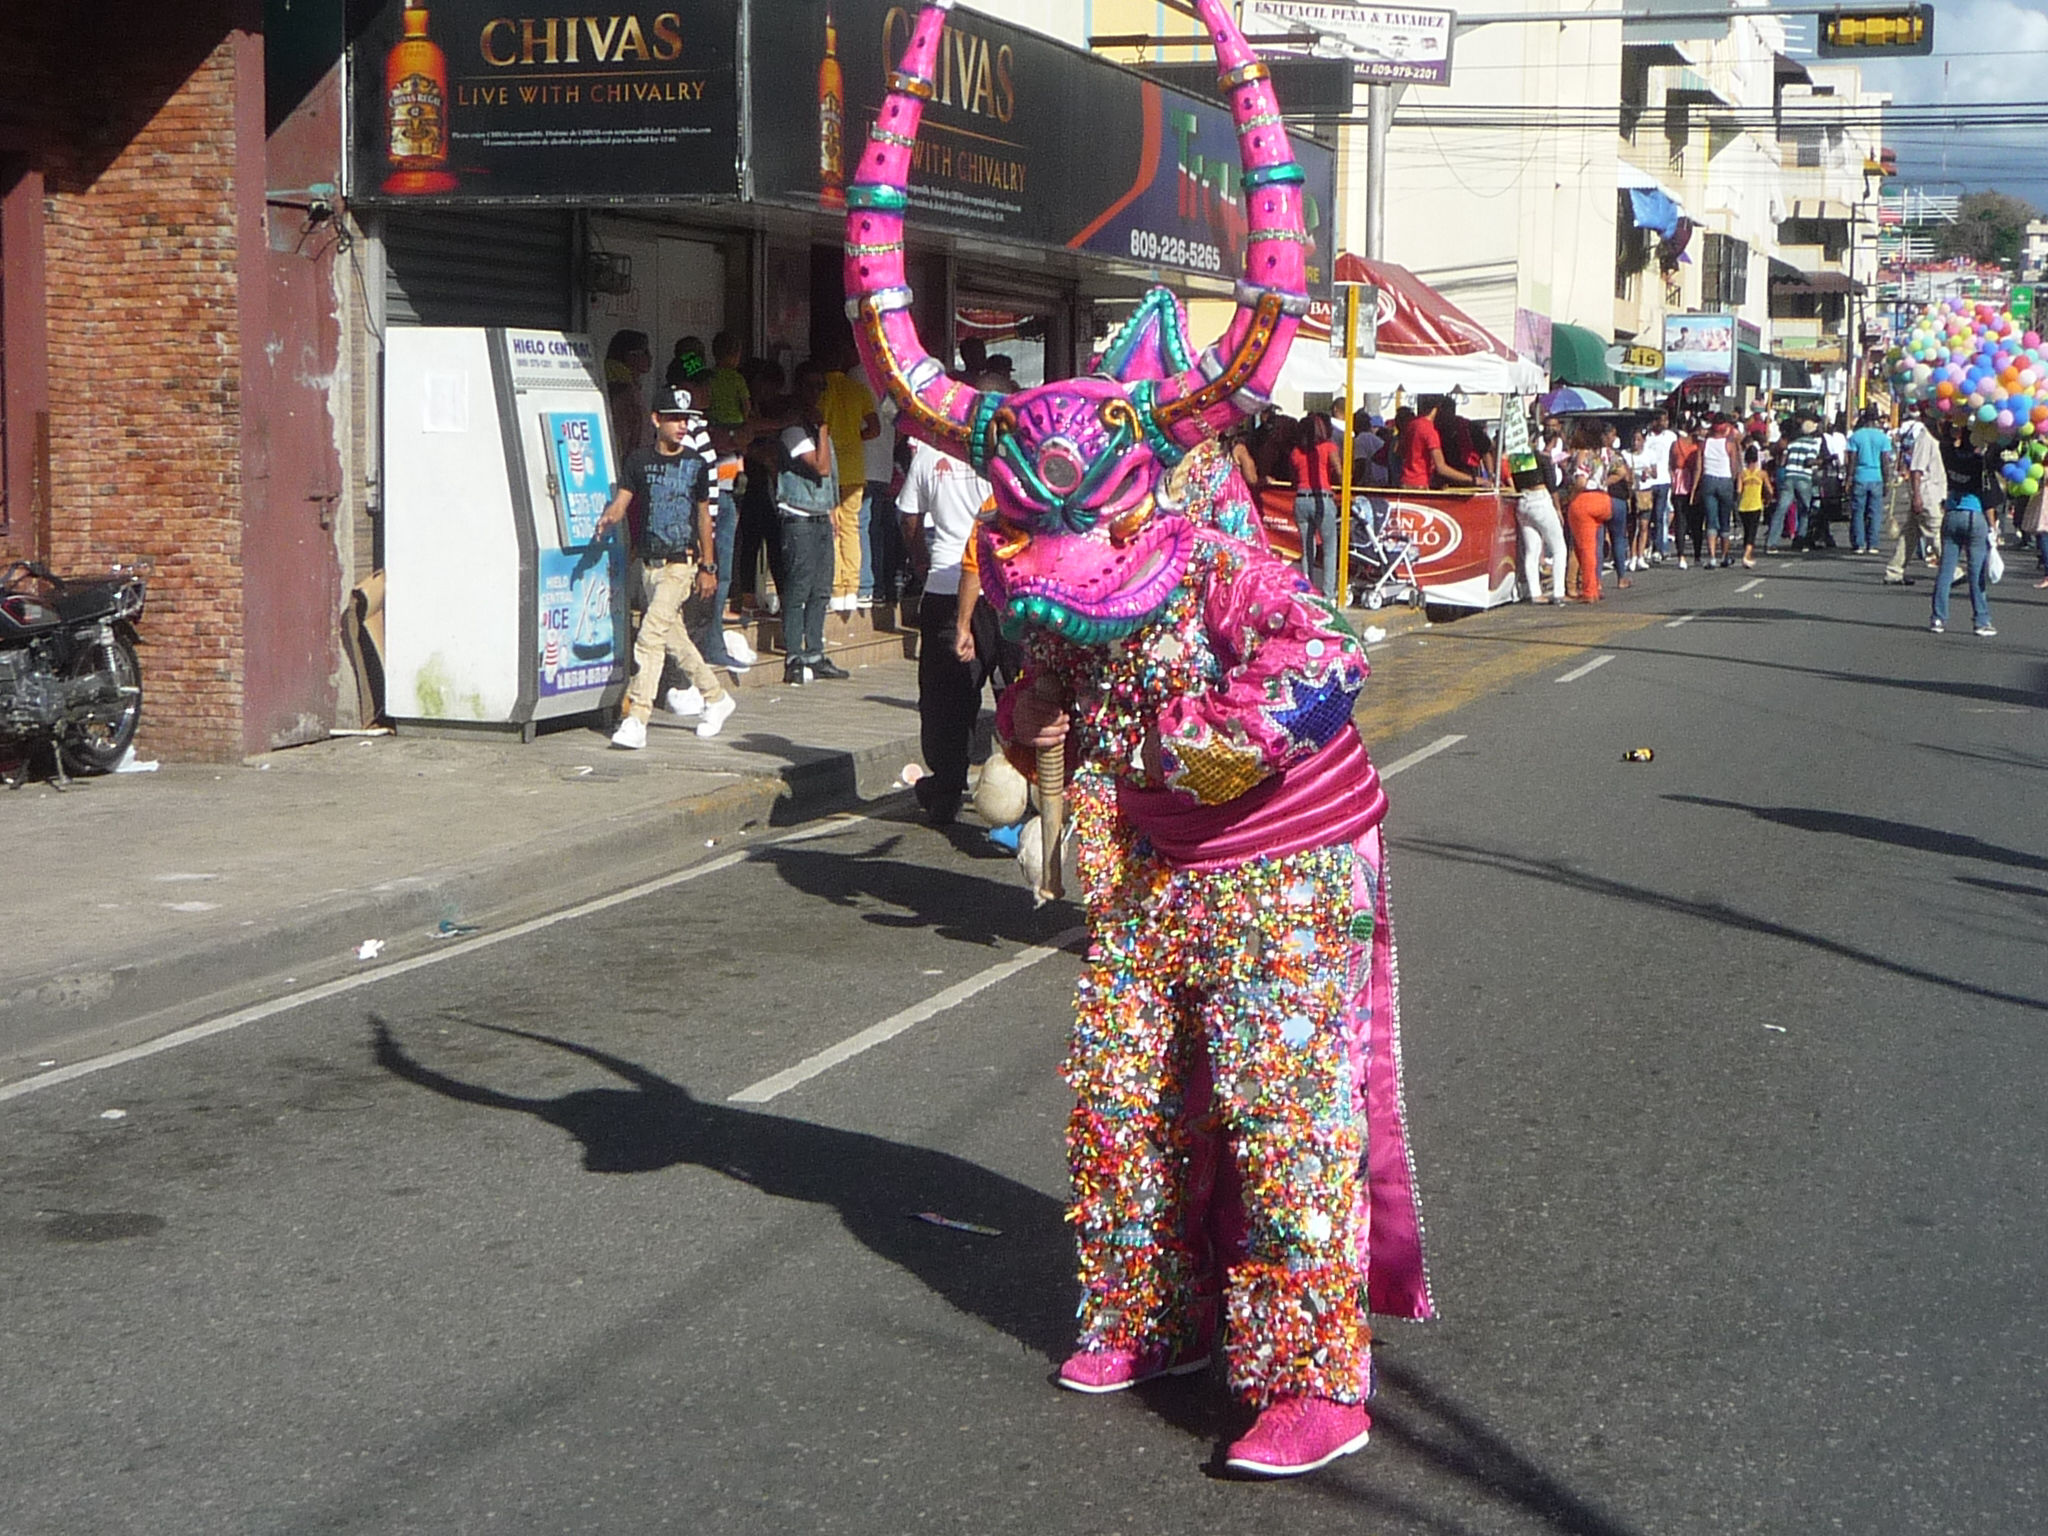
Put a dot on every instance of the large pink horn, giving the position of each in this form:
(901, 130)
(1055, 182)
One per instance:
(1234, 379)
(934, 408)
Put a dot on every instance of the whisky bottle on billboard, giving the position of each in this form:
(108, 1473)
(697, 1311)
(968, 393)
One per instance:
(416, 111)
(831, 121)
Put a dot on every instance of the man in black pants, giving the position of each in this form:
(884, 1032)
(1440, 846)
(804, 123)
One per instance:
(939, 502)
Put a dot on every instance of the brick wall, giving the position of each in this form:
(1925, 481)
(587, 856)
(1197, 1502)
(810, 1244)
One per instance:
(145, 372)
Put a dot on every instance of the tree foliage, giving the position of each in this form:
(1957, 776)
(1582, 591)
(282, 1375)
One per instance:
(1989, 226)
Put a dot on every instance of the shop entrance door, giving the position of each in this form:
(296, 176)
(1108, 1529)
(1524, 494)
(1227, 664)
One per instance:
(1025, 336)
(673, 288)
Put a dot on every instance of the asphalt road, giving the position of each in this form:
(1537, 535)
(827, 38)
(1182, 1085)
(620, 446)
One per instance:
(1724, 1072)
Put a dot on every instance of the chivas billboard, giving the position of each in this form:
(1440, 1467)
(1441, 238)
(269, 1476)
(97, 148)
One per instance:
(467, 101)
(1024, 139)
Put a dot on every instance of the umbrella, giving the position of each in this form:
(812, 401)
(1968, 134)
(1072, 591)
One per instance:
(1567, 398)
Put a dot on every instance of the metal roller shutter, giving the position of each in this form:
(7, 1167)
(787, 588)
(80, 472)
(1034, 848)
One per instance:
(478, 266)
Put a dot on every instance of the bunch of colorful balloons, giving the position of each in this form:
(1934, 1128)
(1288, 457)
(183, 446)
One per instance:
(1977, 362)
(2028, 471)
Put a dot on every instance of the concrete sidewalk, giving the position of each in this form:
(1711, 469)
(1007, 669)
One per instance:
(144, 899)
(147, 901)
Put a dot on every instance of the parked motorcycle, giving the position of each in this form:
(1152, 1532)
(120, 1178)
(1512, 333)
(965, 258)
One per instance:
(69, 676)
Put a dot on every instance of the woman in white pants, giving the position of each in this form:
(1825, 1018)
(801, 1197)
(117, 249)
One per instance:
(1542, 533)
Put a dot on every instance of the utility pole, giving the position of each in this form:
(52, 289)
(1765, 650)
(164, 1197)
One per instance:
(1379, 121)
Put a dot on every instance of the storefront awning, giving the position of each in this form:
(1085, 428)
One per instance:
(1820, 208)
(1579, 356)
(1814, 282)
(1425, 344)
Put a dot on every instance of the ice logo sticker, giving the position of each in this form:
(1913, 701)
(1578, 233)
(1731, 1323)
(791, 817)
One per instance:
(576, 444)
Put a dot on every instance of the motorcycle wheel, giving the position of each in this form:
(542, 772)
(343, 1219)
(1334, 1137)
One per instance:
(98, 744)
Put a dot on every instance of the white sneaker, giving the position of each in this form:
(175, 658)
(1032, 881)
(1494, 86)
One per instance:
(740, 649)
(771, 605)
(631, 734)
(687, 702)
(716, 713)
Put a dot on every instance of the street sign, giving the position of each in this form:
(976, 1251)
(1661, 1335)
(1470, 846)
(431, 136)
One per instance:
(2021, 305)
(1364, 299)
(1630, 359)
(1391, 45)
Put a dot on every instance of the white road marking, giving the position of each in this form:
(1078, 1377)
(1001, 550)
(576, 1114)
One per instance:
(321, 993)
(1403, 764)
(1683, 618)
(1750, 585)
(1592, 666)
(770, 1088)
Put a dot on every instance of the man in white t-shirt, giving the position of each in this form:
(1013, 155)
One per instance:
(940, 503)
(1654, 476)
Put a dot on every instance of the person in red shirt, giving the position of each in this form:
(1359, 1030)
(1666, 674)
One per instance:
(1318, 478)
(1423, 464)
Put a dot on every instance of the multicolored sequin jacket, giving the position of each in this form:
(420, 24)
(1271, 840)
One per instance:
(1245, 673)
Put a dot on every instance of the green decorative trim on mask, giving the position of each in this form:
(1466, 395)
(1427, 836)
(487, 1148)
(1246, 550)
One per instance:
(977, 432)
(1071, 509)
(1145, 396)
(1026, 613)
(1158, 304)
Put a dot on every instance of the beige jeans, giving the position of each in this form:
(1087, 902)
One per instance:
(668, 584)
(846, 541)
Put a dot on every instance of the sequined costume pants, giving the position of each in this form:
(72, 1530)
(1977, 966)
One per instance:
(1257, 964)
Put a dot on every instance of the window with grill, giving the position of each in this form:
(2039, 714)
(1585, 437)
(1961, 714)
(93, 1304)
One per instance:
(1724, 272)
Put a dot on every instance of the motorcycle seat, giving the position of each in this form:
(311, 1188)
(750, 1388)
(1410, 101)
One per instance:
(80, 601)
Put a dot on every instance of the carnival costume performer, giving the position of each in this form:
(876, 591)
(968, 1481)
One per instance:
(1240, 974)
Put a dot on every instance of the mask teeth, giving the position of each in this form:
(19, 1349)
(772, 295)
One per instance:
(1043, 613)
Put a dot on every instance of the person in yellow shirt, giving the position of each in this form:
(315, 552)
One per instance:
(1752, 486)
(850, 419)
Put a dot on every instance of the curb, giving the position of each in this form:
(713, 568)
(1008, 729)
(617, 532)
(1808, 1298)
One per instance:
(83, 1011)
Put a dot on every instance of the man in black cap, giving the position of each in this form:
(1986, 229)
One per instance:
(672, 482)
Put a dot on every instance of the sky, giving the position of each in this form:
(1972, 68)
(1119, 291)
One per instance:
(1984, 50)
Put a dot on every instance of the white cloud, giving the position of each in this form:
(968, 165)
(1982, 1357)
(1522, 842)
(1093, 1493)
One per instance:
(1985, 50)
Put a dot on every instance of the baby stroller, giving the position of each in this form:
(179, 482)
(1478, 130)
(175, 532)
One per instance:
(1382, 556)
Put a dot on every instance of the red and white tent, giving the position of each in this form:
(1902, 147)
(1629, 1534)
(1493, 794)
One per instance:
(1427, 345)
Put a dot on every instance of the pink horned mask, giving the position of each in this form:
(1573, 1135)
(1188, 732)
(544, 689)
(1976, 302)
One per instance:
(1082, 542)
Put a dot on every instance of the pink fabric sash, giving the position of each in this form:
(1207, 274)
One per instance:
(1397, 1272)
(1333, 797)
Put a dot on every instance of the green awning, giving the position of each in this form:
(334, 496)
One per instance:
(1579, 356)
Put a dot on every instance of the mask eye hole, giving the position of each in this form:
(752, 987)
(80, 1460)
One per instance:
(1061, 471)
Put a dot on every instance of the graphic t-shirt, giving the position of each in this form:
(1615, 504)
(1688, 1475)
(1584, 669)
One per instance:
(946, 496)
(668, 488)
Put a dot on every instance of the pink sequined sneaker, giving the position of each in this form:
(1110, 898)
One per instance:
(1112, 1370)
(1299, 1434)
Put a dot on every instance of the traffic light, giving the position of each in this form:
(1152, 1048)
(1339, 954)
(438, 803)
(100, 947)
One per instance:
(1894, 32)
